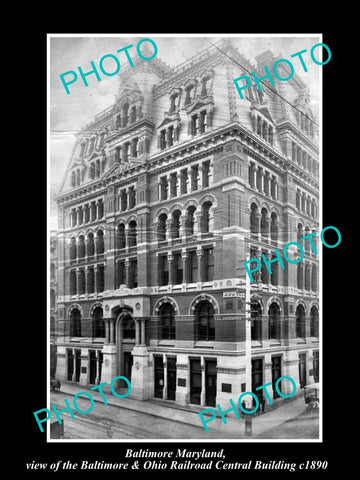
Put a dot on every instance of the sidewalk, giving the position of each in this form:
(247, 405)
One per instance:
(281, 411)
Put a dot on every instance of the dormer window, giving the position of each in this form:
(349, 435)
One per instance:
(82, 149)
(163, 139)
(173, 102)
(92, 144)
(101, 141)
(170, 136)
(189, 94)
(205, 86)
(133, 114)
(125, 114)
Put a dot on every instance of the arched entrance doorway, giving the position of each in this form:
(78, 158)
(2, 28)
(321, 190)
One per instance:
(125, 339)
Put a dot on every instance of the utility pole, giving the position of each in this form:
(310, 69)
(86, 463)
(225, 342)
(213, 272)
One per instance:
(248, 398)
(248, 402)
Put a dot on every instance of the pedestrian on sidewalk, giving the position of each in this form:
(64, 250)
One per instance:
(262, 403)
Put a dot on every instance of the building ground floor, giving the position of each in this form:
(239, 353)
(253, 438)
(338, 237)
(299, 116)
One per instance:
(187, 377)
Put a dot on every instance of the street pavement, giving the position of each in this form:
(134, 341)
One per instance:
(126, 418)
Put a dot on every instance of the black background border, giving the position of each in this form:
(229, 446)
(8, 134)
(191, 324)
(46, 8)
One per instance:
(29, 386)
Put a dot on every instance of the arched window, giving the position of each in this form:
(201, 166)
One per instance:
(81, 247)
(52, 272)
(274, 227)
(274, 321)
(128, 327)
(256, 320)
(52, 298)
(121, 238)
(204, 321)
(132, 234)
(300, 321)
(299, 232)
(190, 221)
(314, 321)
(176, 224)
(253, 218)
(264, 222)
(75, 323)
(90, 245)
(161, 231)
(98, 323)
(167, 322)
(205, 218)
(99, 242)
(73, 251)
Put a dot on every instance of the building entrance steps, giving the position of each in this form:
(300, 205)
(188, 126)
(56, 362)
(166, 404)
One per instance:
(281, 411)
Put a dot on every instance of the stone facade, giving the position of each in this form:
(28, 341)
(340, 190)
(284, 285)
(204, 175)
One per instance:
(166, 194)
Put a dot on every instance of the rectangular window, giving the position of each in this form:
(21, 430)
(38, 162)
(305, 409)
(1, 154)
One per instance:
(120, 274)
(163, 188)
(275, 373)
(173, 182)
(316, 365)
(133, 274)
(178, 268)
(194, 125)
(208, 264)
(163, 139)
(90, 282)
(205, 172)
(202, 121)
(163, 270)
(126, 152)
(135, 144)
(170, 136)
(183, 181)
(194, 177)
(193, 266)
(100, 284)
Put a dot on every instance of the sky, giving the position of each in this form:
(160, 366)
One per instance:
(67, 114)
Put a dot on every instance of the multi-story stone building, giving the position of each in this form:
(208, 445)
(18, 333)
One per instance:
(167, 193)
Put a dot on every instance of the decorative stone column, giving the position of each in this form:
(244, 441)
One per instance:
(140, 372)
(137, 331)
(202, 395)
(184, 257)
(165, 377)
(112, 333)
(127, 271)
(170, 258)
(258, 273)
(199, 255)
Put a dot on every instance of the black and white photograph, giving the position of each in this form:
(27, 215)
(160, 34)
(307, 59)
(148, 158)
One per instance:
(185, 221)
(189, 317)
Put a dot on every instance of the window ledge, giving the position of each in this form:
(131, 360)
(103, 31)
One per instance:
(167, 343)
(204, 343)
